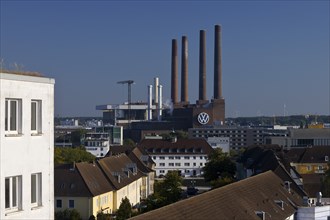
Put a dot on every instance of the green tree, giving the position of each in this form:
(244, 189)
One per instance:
(129, 142)
(166, 192)
(170, 187)
(102, 216)
(70, 155)
(125, 209)
(220, 169)
(326, 183)
(67, 214)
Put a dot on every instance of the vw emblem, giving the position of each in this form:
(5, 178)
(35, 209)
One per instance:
(203, 118)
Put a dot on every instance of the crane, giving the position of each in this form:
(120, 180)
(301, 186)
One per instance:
(129, 84)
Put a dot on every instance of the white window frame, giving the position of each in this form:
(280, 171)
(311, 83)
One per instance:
(36, 121)
(15, 193)
(36, 189)
(16, 127)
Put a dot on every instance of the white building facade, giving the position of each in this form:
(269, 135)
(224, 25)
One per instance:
(26, 146)
(97, 143)
(187, 156)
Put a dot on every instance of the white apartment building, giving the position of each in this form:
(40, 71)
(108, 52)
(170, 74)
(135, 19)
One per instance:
(187, 156)
(97, 143)
(26, 146)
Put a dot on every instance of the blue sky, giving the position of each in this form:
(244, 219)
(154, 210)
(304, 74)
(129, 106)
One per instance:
(274, 53)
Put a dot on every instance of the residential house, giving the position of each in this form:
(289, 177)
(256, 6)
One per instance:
(310, 160)
(259, 159)
(100, 186)
(144, 163)
(26, 146)
(83, 187)
(124, 176)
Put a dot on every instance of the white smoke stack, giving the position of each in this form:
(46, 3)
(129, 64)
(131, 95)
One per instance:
(160, 100)
(149, 102)
(156, 84)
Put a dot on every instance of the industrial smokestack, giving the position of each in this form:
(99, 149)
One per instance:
(150, 102)
(160, 102)
(184, 70)
(217, 63)
(156, 83)
(202, 65)
(174, 72)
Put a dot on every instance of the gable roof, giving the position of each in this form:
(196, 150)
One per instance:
(240, 200)
(69, 182)
(316, 154)
(264, 160)
(183, 146)
(80, 180)
(117, 170)
(94, 178)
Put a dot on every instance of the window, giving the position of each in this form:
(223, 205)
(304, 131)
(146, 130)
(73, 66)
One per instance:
(187, 157)
(178, 164)
(187, 164)
(71, 203)
(36, 116)
(171, 158)
(162, 158)
(171, 164)
(178, 157)
(36, 189)
(201, 164)
(162, 164)
(162, 171)
(58, 203)
(13, 117)
(194, 164)
(13, 193)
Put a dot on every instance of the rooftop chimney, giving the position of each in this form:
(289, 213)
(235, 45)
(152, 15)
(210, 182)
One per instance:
(160, 102)
(202, 66)
(184, 70)
(174, 72)
(156, 83)
(217, 63)
(150, 102)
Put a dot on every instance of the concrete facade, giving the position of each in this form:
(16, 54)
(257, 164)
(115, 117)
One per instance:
(26, 146)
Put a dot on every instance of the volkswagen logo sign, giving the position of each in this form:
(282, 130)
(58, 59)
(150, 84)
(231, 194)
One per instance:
(203, 118)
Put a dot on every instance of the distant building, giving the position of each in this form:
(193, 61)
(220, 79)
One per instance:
(220, 142)
(239, 137)
(99, 139)
(302, 138)
(97, 143)
(124, 114)
(27, 146)
(187, 156)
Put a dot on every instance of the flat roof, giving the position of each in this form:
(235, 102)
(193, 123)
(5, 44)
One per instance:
(25, 76)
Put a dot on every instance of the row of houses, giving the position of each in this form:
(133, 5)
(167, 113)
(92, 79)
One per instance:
(100, 186)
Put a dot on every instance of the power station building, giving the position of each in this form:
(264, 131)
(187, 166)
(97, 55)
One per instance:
(205, 112)
(182, 114)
